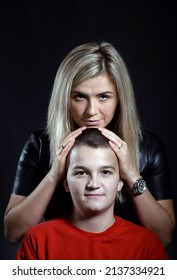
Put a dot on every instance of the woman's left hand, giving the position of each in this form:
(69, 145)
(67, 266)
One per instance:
(128, 171)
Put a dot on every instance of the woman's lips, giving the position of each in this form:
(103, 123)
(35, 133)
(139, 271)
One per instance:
(91, 123)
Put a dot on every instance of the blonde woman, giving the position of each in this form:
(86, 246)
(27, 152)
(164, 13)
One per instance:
(92, 88)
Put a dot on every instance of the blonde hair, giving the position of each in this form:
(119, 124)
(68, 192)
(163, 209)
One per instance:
(84, 62)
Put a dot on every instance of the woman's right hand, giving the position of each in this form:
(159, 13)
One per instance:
(58, 169)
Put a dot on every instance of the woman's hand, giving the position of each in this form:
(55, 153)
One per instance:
(58, 168)
(128, 171)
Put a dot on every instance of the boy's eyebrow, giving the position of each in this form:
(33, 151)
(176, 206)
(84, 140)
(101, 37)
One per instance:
(85, 167)
(108, 167)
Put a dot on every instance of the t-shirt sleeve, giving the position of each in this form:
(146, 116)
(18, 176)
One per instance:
(26, 250)
(158, 251)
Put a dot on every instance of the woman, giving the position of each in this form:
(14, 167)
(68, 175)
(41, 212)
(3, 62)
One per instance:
(92, 88)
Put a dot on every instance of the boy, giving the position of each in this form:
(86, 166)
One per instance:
(92, 231)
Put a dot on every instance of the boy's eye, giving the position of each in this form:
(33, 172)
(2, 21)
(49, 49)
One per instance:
(81, 173)
(106, 172)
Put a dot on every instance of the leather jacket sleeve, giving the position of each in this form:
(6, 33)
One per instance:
(154, 166)
(32, 167)
(33, 164)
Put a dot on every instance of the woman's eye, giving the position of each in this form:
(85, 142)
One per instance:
(79, 97)
(103, 97)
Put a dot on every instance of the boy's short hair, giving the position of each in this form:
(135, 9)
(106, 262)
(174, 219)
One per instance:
(91, 137)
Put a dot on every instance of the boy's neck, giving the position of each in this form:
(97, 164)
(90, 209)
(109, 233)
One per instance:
(96, 223)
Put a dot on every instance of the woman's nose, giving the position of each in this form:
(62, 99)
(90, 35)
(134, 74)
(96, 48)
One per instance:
(91, 108)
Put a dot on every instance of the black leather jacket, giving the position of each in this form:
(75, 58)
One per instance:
(33, 165)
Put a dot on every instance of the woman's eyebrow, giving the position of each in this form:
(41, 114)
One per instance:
(77, 92)
(80, 92)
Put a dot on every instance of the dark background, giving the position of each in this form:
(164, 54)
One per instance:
(34, 38)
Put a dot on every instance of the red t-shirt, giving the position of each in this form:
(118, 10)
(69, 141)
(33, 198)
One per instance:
(58, 239)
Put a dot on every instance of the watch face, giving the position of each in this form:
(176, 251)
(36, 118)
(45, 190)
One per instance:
(141, 186)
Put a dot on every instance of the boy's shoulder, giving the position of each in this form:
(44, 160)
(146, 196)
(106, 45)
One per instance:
(130, 228)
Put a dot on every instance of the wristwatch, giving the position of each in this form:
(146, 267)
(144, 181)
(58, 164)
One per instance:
(139, 187)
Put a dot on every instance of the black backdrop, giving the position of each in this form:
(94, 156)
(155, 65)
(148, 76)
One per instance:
(36, 35)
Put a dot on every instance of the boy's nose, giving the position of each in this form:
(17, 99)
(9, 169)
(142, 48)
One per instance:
(93, 183)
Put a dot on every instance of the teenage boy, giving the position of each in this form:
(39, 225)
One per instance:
(92, 231)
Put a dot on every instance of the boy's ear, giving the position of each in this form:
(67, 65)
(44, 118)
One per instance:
(120, 185)
(66, 186)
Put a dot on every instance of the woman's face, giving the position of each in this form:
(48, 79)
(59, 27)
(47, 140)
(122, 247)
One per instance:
(94, 102)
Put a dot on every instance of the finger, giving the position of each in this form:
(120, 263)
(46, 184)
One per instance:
(75, 133)
(116, 148)
(65, 150)
(111, 136)
(71, 136)
(108, 133)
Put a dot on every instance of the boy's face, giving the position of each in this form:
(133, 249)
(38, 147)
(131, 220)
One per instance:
(93, 179)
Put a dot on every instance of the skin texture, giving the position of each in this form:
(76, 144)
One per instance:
(93, 185)
(94, 101)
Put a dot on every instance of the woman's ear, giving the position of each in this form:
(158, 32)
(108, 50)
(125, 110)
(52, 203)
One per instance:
(120, 185)
(66, 186)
